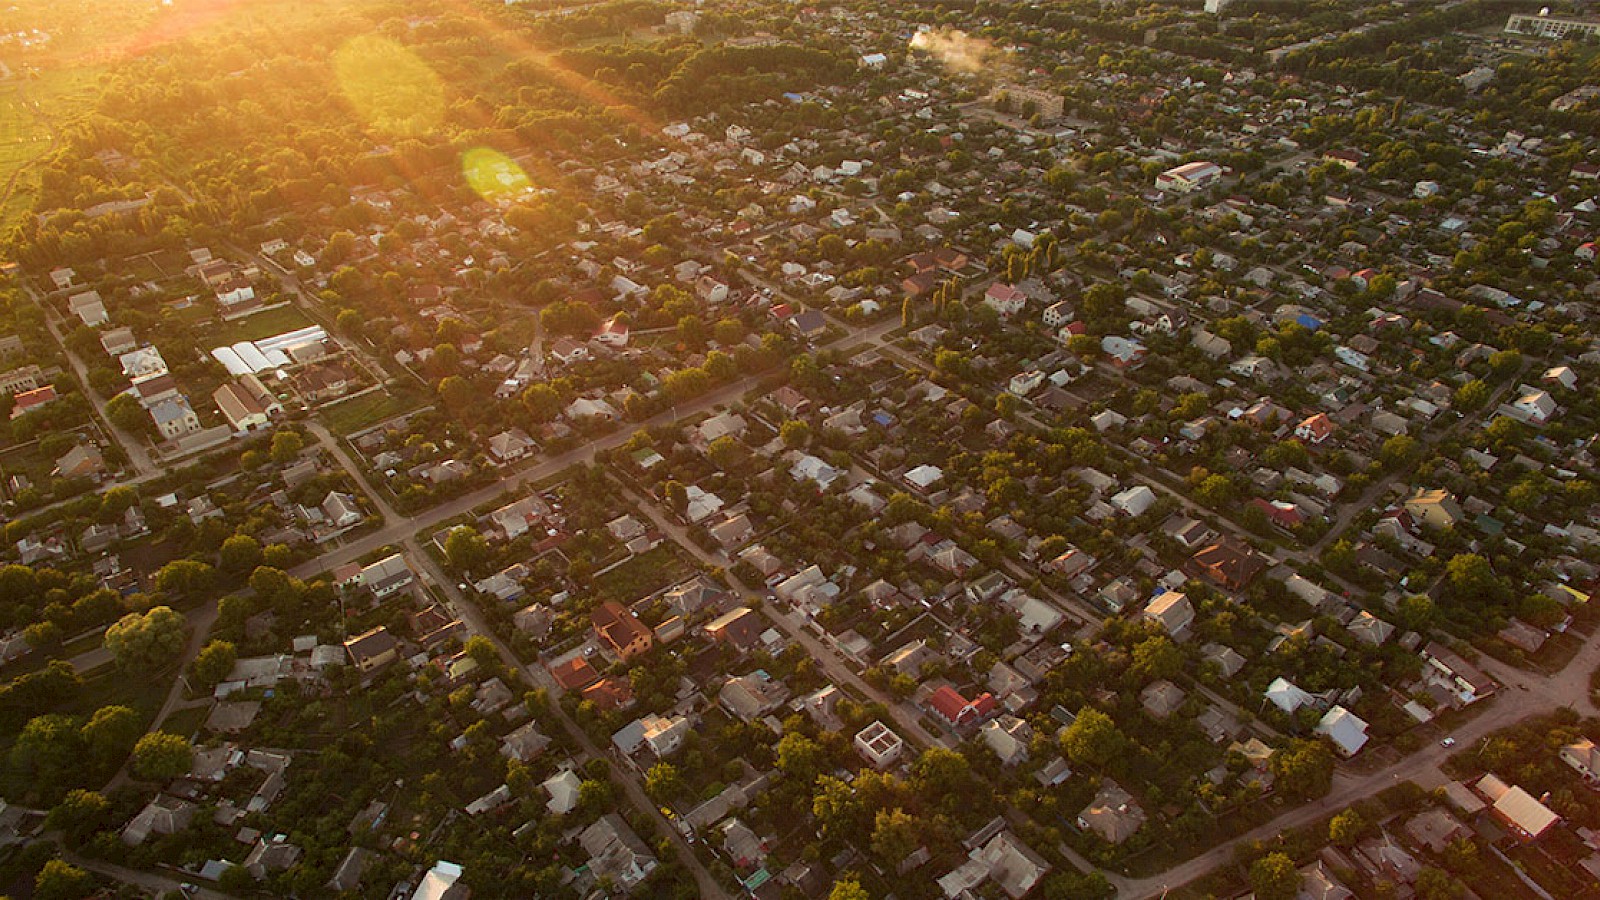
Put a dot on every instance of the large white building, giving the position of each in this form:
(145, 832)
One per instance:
(1546, 26)
(1189, 177)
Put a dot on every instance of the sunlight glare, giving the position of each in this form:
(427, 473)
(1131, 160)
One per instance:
(494, 176)
(390, 88)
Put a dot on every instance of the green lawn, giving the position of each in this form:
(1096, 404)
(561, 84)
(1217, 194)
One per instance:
(644, 574)
(369, 409)
(261, 325)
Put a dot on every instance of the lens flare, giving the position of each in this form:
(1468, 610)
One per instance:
(494, 176)
(959, 51)
(390, 88)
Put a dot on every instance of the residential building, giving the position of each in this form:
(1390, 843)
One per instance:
(174, 418)
(386, 576)
(1436, 508)
(1189, 177)
(958, 711)
(1347, 732)
(1461, 680)
(616, 853)
(1172, 611)
(1583, 756)
(372, 649)
(1229, 563)
(1112, 814)
(620, 632)
(878, 745)
(1515, 808)
(1544, 25)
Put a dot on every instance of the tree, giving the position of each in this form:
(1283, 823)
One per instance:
(895, 836)
(664, 782)
(542, 402)
(1471, 395)
(78, 815)
(1274, 877)
(286, 445)
(1471, 578)
(213, 664)
(940, 773)
(1156, 657)
(1092, 739)
(185, 577)
(111, 732)
(239, 554)
(799, 757)
(1304, 769)
(482, 651)
(1346, 828)
(457, 394)
(795, 433)
(725, 452)
(126, 413)
(48, 749)
(146, 641)
(466, 549)
(1398, 452)
(908, 313)
(848, 889)
(60, 880)
(160, 756)
(1436, 884)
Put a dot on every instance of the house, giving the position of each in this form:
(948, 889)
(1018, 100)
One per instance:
(1584, 756)
(173, 417)
(1188, 177)
(924, 477)
(1464, 682)
(567, 351)
(1515, 808)
(1058, 314)
(525, 743)
(1436, 829)
(246, 404)
(564, 790)
(89, 308)
(663, 735)
(1172, 611)
(1533, 405)
(1008, 738)
(1229, 563)
(740, 629)
(1435, 508)
(958, 711)
(1013, 866)
(1124, 353)
(323, 381)
(1286, 696)
(1112, 814)
(516, 519)
(28, 401)
(749, 697)
(163, 815)
(82, 461)
(725, 424)
(25, 378)
(442, 882)
(1281, 513)
(616, 853)
(372, 649)
(341, 509)
(612, 333)
(510, 446)
(1134, 501)
(620, 631)
(878, 745)
(1004, 299)
(1161, 698)
(386, 576)
(1314, 429)
(1560, 376)
(1347, 732)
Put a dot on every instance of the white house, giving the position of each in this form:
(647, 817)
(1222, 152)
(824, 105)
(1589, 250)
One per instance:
(1004, 299)
(1134, 501)
(1188, 177)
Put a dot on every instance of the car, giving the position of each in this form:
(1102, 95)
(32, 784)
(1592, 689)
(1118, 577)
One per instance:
(1448, 742)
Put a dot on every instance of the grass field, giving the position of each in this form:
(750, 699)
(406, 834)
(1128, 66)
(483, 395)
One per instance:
(261, 325)
(29, 104)
(370, 409)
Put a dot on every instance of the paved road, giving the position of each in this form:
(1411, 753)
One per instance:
(138, 456)
(154, 882)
